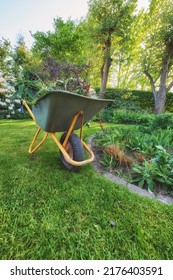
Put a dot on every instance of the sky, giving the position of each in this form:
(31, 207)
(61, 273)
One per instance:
(25, 16)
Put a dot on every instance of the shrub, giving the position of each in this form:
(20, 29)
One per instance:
(163, 121)
(128, 117)
(10, 105)
(10, 108)
(106, 115)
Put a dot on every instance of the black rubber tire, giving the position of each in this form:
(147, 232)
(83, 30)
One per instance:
(78, 151)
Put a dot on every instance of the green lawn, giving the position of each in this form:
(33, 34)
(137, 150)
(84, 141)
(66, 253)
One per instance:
(48, 212)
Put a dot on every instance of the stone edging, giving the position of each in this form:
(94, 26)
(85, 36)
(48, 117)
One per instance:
(98, 167)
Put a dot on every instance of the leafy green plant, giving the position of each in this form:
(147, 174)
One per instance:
(162, 157)
(109, 137)
(162, 121)
(138, 143)
(29, 89)
(158, 170)
(108, 161)
(146, 142)
(143, 175)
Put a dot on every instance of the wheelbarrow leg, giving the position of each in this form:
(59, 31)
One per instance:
(31, 149)
(70, 130)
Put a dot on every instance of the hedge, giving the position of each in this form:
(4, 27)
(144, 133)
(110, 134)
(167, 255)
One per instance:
(135, 99)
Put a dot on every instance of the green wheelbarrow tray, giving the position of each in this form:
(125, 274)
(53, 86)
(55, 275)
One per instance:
(63, 111)
(55, 111)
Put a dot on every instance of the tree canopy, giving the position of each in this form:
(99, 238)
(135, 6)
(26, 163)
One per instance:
(109, 22)
(115, 44)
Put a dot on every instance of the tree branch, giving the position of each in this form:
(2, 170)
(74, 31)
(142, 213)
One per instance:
(169, 87)
(151, 82)
(157, 77)
(102, 70)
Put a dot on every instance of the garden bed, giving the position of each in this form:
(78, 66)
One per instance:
(138, 156)
(166, 198)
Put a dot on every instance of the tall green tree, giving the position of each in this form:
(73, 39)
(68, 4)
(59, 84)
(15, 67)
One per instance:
(109, 19)
(157, 54)
(63, 44)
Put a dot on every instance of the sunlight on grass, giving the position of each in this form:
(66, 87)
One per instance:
(48, 212)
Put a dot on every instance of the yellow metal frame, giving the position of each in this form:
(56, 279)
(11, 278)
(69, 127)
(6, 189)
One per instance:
(62, 146)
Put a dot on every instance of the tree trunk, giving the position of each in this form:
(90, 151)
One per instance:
(105, 77)
(160, 97)
(160, 100)
(159, 106)
(105, 67)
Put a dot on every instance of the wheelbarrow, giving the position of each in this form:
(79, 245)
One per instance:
(63, 111)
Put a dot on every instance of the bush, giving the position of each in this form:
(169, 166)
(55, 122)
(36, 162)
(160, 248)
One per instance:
(163, 121)
(123, 116)
(21, 116)
(169, 102)
(10, 108)
(128, 117)
(106, 115)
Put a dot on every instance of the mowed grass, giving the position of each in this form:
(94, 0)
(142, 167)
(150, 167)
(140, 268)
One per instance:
(48, 212)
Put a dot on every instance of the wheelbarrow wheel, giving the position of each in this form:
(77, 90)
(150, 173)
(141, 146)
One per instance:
(74, 149)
